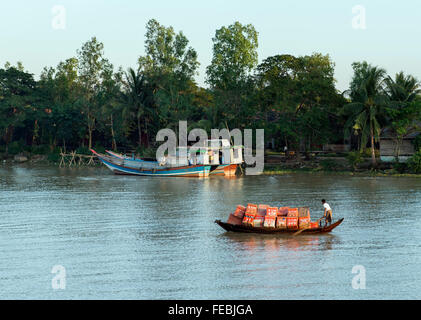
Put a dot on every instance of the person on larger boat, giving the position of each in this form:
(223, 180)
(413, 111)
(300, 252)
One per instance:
(327, 215)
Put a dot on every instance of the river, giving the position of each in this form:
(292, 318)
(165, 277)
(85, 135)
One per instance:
(123, 237)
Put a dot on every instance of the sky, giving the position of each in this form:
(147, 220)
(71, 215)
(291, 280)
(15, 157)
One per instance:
(387, 35)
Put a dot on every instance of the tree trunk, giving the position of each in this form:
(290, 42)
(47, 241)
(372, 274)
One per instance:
(146, 133)
(91, 126)
(8, 137)
(373, 151)
(90, 138)
(139, 131)
(398, 148)
(114, 144)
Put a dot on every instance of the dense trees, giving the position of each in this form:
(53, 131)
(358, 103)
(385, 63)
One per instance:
(85, 102)
(298, 98)
(377, 101)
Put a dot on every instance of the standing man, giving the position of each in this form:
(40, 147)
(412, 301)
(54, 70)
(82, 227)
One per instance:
(327, 212)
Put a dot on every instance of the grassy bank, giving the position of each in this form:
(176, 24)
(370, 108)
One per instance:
(360, 173)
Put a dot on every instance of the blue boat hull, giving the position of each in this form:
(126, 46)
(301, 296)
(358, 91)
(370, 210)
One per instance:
(199, 171)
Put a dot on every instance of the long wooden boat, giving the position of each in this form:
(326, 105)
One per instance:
(125, 166)
(218, 170)
(249, 229)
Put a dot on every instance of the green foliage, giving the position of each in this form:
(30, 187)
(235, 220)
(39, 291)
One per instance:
(414, 163)
(367, 107)
(329, 165)
(16, 147)
(400, 167)
(417, 143)
(297, 99)
(40, 149)
(366, 153)
(54, 156)
(234, 56)
(354, 158)
(146, 152)
(84, 150)
(167, 52)
(84, 101)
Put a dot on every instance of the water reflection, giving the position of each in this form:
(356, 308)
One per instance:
(154, 238)
(275, 243)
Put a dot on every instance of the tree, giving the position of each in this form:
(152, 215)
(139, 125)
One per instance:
(234, 57)
(109, 98)
(167, 52)
(17, 89)
(59, 95)
(404, 106)
(297, 99)
(139, 103)
(92, 68)
(168, 69)
(367, 106)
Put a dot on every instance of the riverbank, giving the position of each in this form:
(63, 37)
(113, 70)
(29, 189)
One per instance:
(361, 173)
(274, 165)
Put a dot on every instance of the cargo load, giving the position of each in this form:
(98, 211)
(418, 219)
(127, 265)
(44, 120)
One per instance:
(272, 212)
(292, 222)
(232, 219)
(304, 212)
(314, 225)
(262, 210)
(303, 217)
(251, 209)
(250, 214)
(281, 222)
(304, 222)
(240, 211)
(292, 212)
(270, 222)
(258, 221)
(283, 211)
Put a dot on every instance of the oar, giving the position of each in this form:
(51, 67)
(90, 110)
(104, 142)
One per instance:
(299, 231)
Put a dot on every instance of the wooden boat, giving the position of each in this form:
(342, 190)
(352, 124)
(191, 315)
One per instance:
(264, 230)
(125, 166)
(217, 155)
(217, 170)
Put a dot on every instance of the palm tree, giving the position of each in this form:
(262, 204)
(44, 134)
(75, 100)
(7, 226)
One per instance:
(403, 89)
(139, 99)
(402, 92)
(367, 104)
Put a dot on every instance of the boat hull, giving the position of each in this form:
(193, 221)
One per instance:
(264, 230)
(225, 170)
(220, 170)
(199, 171)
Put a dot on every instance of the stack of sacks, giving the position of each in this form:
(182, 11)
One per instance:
(250, 214)
(260, 216)
(270, 219)
(303, 217)
(236, 218)
(292, 218)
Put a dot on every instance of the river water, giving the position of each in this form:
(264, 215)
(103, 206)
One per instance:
(122, 237)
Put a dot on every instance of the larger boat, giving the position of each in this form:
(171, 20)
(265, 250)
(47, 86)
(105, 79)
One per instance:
(216, 157)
